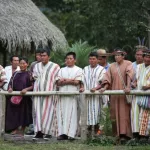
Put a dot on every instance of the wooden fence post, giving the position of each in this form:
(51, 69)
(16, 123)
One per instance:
(2, 114)
(83, 117)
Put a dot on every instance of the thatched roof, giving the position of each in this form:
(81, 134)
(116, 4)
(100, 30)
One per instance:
(22, 22)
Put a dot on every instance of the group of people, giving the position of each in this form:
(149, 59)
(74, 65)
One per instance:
(60, 115)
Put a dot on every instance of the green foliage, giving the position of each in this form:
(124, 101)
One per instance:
(58, 57)
(102, 140)
(102, 23)
(82, 50)
(106, 122)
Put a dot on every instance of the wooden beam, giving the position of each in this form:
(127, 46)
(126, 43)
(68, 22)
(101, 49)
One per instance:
(87, 92)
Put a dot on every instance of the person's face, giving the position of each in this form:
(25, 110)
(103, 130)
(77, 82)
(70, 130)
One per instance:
(23, 65)
(147, 60)
(38, 57)
(119, 58)
(44, 58)
(15, 62)
(139, 56)
(93, 61)
(102, 59)
(70, 61)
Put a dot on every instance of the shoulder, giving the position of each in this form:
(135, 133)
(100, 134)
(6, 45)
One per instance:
(100, 67)
(112, 64)
(63, 68)
(36, 64)
(29, 72)
(54, 64)
(86, 67)
(33, 63)
(140, 65)
(1, 67)
(7, 67)
(128, 62)
(134, 63)
(78, 68)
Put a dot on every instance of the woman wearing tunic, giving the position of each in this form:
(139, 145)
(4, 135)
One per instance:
(119, 108)
(19, 115)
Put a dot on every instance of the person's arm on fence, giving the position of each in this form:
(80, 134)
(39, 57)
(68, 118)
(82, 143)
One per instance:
(64, 81)
(96, 88)
(81, 87)
(26, 89)
(104, 88)
(127, 89)
(146, 87)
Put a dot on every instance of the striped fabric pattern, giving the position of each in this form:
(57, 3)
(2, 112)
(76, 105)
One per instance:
(143, 79)
(92, 77)
(44, 105)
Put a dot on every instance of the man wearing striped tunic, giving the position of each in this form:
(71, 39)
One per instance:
(134, 106)
(143, 83)
(45, 74)
(68, 79)
(93, 75)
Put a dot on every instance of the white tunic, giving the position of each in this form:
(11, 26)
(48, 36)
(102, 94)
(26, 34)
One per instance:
(8, 71)
(67, 105)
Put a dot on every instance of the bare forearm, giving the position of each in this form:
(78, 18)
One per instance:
(29, 88)
(2, 83)
(128, 82)
(105, 86)
(68, 82)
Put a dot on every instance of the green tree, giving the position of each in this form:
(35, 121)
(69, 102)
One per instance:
(103, 23)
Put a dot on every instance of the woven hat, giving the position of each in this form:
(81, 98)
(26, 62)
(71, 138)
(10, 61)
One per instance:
(146, 52)
(102, 52)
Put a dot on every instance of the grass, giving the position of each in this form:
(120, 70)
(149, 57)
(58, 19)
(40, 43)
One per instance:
(64, 146)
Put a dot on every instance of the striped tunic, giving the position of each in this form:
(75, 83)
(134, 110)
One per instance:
(67, 108)
(91, 79)
(44, 106)
(134, 106)
(143, 79)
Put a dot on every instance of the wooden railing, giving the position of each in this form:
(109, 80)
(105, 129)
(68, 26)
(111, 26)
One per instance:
(82, 99)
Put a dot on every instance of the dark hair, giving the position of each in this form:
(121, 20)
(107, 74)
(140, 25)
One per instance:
(93, 54)
(46, 50)
(71, 53)
(121, 50)
(11, 58)
(38, 50)
(24, 58)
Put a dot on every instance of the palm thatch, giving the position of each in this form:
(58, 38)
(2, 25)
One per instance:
(21, 22)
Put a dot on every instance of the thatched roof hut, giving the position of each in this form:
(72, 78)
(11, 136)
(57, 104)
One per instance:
(21, 23)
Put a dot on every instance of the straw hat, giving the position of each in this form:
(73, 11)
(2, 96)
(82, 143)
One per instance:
(102, 52)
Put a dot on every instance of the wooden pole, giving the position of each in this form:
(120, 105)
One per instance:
(2, 115)
(107, 92)
(83, 117)
(149, 32)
